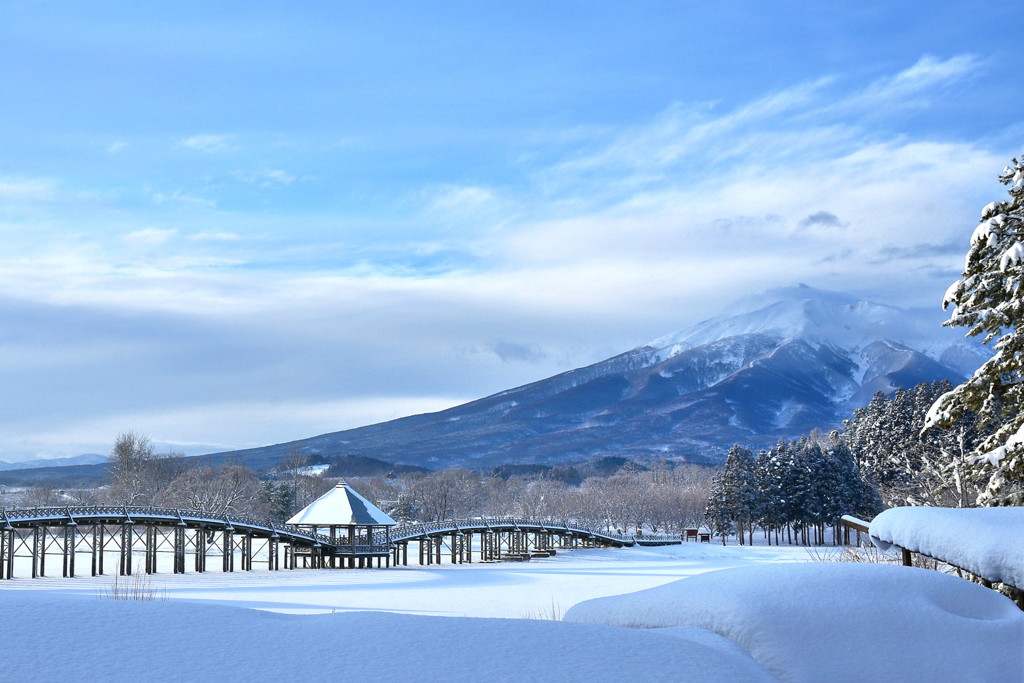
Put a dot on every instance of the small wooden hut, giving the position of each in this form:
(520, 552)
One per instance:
(351, 522)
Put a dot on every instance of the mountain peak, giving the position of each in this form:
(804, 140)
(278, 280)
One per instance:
(776, 365)
(816, 316)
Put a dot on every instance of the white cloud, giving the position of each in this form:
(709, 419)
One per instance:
(179, 197)
(26, 190)
(461, 199)
(215, 236)
(928, 73)
(150, 237)
(210, 427)
(637, 234)
(209, 143)
(267, 178)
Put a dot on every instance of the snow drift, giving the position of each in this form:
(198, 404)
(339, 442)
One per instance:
(838, 621)
(171, 641)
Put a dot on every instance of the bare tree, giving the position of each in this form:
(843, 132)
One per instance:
(219, 490)
(137, 472)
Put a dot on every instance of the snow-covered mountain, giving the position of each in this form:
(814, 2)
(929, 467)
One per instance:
(85, 459)
(776, 365)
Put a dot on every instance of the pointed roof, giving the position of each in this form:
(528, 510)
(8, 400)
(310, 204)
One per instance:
(342, 506)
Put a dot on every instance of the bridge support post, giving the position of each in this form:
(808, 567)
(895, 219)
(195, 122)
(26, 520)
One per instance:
(35, 552)
(70, 540)
(149, 549)
(179, 547)
(103, 547)
(229, 550)
(200, 546)
(10, 553)
(6, 546)
(125, 567)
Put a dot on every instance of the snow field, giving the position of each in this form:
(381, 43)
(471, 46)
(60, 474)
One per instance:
(838, 621)
(769, 613)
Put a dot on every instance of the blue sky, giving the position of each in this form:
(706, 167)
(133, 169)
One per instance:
(231, 224)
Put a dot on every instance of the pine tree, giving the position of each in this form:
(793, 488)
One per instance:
(989, 301)
(734, 497)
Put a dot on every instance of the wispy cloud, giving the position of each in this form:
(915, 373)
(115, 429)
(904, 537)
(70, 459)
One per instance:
(215, 236)
(267, 178)
(179, 197)
(618, 236)
(209, 143)
(31, 189)
(150, 237)
(918, 82)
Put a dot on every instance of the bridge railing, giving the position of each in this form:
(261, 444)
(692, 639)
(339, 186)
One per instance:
(418, 529)
(145, 513)
(123, 513)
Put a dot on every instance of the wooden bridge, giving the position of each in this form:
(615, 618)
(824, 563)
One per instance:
(127, 535)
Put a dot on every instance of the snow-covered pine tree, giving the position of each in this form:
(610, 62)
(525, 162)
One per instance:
(989, 301)
(734, 498)
(768, 476)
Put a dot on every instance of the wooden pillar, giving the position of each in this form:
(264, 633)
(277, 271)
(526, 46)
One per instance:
(180, 529)
(125, 563)
(103, 547)
(44, 532)
(247, 558)
(94, 549)
(70, 541)
(149, 548)
(9, 535)
(199, 561)
(908, 560)
(228, 544)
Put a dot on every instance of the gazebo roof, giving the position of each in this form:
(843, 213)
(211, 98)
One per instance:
(342, 506)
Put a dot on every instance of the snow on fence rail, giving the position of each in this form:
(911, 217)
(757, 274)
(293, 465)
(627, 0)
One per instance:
(983, 541)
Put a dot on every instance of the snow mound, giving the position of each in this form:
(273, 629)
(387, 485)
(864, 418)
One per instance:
(985, 541)
(838, 621)
(173, 641)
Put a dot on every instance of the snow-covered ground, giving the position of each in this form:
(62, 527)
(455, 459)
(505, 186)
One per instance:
(509, 589)
(768, 614)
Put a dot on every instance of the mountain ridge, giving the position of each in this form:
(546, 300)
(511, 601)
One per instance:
(776, 366)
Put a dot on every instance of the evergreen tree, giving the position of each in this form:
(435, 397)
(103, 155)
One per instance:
(734, 499)
(910, 466)
(989, 301)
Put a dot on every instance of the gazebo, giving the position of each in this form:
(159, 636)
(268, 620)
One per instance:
(350, 521)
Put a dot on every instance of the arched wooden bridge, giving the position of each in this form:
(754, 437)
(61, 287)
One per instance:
(133, 537)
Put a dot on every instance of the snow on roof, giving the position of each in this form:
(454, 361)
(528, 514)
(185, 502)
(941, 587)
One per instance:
(815, 621)
(341, 506)
(984, 541)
